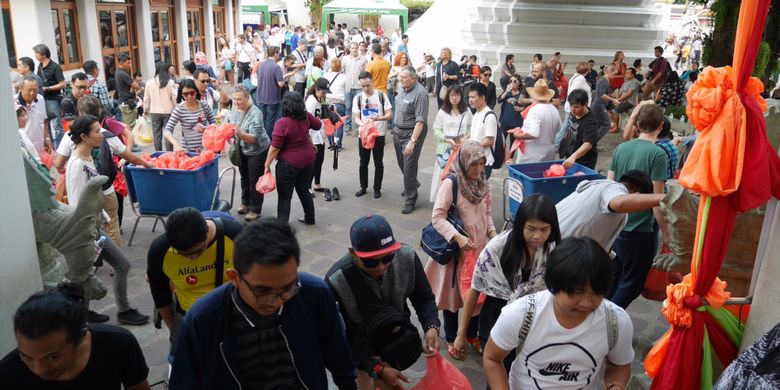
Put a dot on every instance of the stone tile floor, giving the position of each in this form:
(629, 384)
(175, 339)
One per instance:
(324, 243)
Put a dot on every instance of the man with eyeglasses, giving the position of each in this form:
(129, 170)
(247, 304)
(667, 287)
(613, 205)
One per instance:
(271, 327)
(79, 87)
(182, 263)
(381, 272)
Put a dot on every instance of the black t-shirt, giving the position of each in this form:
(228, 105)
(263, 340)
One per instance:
(451, 69)
(123, 82)
(116, 361)
(68, 106)
(51, 74)
(587, 131)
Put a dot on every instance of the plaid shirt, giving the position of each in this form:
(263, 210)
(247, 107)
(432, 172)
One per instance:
(672, 153)
(411, 106)
(99, 90)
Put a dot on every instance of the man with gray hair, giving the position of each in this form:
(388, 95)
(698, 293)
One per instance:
(410, 115)
(603, 101)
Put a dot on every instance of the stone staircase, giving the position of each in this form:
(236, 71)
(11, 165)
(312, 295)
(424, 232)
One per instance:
(580, 30)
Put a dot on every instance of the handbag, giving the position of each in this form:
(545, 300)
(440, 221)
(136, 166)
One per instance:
(568, 144)
(234, 151)
(433, 243)
(228, 65)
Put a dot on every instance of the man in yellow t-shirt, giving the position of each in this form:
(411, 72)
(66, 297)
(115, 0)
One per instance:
(182, 263)
(379, 68)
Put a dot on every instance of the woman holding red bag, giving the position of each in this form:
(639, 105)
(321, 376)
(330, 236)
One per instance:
(254, 144)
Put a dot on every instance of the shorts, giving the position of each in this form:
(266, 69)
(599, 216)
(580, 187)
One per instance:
(623, 107)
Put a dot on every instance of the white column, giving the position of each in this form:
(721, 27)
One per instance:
(21, 276)
(144, 34)
(208, 24)
(230, 27)
(763, 313)
(37, 12)
(237, 18)
(180, 10)
(89, 33)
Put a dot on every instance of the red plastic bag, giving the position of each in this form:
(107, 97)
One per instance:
(120, 185)
(555, 170)
(518, 144)
(180, 160)
(46, 158)
(655, 285)
(331, 128)
(266, 183)
(215, 136)
(442, 375)
(368, 134)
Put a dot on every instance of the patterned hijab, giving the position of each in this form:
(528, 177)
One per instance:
(473, 190)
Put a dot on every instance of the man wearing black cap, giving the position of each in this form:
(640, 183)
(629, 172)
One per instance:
(372, 283)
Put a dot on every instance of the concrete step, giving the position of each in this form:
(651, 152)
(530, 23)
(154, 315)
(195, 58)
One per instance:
(575, 14)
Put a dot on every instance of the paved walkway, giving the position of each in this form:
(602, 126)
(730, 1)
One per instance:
(324, 243)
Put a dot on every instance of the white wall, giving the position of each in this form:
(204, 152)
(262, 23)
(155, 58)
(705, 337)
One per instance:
(23, 12)
(208, 24)
(21, 275)
(180, 10)
(143, 31)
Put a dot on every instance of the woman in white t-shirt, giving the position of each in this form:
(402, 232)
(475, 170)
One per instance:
(451, 127)
(338, 87)
(566, 334)
(314, 99)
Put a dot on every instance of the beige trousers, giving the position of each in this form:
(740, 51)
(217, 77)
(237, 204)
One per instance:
(112, 227)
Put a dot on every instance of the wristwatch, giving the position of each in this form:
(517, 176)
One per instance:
(376, 371)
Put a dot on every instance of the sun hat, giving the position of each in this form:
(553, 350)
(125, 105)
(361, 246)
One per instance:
(541, 91)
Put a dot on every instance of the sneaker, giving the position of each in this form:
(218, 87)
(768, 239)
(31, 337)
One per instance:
(377, 194)
(408, 208)
(303, 221)
(328, 196)
(243, 209)
(131, 317)
(336, 194)
(251, 216)
(94, 317)
(360, 193)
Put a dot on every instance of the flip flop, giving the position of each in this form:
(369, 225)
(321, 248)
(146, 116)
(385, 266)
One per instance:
(476, 344)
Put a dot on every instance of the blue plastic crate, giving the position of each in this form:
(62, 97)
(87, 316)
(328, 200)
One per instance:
(531, 175)
(160, 191)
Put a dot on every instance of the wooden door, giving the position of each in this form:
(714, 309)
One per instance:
(117, 36)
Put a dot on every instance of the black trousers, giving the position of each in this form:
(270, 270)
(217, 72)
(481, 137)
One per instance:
(289, 179)
(244, 71)
(317, 174)
(379, 166)
(251, 169)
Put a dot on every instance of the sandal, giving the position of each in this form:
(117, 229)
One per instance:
(476, 344)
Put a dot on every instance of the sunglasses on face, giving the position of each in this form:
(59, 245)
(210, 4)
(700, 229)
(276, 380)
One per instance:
(204, 81)
(188, 94)
(373, 262)
(487, 74)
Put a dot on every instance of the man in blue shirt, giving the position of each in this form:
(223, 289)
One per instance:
(270, 80)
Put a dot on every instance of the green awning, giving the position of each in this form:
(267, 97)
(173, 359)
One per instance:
(365, 7)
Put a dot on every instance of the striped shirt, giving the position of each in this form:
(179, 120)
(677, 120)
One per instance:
(411, 106)
(192, 139)
(99, 90)
(672, 153)
(261, 354)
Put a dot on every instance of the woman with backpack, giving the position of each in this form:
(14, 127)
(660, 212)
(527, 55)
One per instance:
(193, 115)
(511, 265)
(452, 126)
(468, 191)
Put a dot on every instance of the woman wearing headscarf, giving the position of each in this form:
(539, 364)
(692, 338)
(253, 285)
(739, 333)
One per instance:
(473, 207)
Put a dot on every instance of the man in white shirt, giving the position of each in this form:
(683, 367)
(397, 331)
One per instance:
(35, 106)
(540, 126)
(566, 334)
(373, 104)
(352, 65)
(301, 56)
(245, 58)
(484, 124)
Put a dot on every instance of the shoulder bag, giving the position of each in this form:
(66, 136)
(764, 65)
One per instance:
(433, 243)
(234, 151)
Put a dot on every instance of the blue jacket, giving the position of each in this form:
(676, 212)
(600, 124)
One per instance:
(311, 324)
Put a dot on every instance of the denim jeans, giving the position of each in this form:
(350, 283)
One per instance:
(289, 179)
(54, 111)
(635, 252)
(349, 96)
(114, 256)
(340, 109)
(271, 114)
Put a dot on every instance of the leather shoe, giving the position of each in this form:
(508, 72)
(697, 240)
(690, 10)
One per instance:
(243, 209)
(303, 221)
(408, 208)
(336, 194)
(251, 216)
(360, 193)
(327, 195)
(377, 194)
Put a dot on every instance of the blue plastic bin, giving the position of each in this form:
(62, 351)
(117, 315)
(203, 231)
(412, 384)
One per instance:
(531, 175)
(160, 191)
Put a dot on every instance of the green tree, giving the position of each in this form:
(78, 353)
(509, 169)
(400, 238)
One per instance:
(315, 10)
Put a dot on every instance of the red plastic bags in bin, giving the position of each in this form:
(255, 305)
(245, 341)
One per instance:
(181, 161)
(266, 183)
(215, 136)
(555, 170)
(442, 375)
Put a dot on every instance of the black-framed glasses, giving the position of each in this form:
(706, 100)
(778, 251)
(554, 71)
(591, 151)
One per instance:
(81, 87)
(373, 262)
(265, 297)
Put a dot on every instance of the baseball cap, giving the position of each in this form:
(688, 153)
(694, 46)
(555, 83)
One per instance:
(322, 84)
(372, 236)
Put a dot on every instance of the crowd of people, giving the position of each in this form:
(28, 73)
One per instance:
(239, 312)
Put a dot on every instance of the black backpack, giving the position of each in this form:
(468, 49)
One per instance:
(104, 160)
(390, 333)
(498, 148)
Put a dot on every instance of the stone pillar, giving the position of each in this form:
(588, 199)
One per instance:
(23, 13)
(145, 43)
(230, 20)
(763, 313)
(21, 276)
(89, 33)
(180, 10)
(208, 24)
